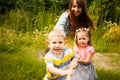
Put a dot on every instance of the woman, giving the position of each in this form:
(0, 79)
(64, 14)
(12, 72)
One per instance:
(76, 15)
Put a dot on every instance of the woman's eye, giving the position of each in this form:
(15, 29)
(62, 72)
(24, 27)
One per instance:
(74, 6)
(79, 6)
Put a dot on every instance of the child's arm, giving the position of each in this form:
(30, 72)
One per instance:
(88, 58)
(73, 63)
(72, 66)
(59, 71)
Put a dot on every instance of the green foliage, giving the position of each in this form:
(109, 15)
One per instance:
(6, 5)
(21, 21)
(18, 21)
(106, 10)
(19, 55)
(45, 21)
(12, 41)
(21, 66)
(31, 6)
(104, 74)
(113, 34)
(63, 4)
(96, 7)
(101, 38)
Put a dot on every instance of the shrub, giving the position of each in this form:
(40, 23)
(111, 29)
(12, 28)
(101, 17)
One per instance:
(113, 34)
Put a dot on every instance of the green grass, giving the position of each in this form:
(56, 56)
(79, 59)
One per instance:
(101, 45)
(19, 55)
(22, 38)
(107, 66)
(26, 66)
(21, 66)
(104, 74)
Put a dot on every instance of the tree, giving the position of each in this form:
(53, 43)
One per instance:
(6, 5)
(110, 10)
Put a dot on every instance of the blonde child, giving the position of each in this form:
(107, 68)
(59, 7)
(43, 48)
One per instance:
(58, 58)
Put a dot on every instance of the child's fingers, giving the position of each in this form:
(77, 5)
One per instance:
(68, 77)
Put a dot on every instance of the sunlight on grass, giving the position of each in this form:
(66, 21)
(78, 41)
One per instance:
(21, 66)
(104, 74)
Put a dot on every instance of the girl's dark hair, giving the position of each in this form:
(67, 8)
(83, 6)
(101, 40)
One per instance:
(82, 19)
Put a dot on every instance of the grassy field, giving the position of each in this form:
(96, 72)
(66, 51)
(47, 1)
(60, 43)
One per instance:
(21, 66)
(22, 46)
(107, 65)
(21, 58)
(28, 66)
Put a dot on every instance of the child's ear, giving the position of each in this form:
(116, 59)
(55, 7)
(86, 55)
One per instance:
(66, 42)
(47, 42)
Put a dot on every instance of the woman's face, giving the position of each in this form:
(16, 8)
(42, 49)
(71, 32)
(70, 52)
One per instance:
(76, 9)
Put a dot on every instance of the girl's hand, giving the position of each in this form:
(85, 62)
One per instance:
(73, 65)
(80, 59)
(74, 62)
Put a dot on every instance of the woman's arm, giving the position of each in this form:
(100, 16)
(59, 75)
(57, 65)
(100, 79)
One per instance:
(62, 22)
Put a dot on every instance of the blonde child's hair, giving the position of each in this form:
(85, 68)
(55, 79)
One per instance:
(56, 32)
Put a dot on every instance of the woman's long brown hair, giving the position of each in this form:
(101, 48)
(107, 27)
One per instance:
(82, 19)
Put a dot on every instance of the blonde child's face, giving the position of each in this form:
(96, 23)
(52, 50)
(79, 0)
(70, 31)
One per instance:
(56, 44)
(82, 39)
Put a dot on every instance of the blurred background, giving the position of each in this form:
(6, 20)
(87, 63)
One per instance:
(24, 25)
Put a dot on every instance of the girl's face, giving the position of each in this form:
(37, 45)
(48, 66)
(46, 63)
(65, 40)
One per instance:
(82, 39)
(75, 8)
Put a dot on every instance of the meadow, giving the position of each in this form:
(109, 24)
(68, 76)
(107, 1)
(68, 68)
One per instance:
(22, 45)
